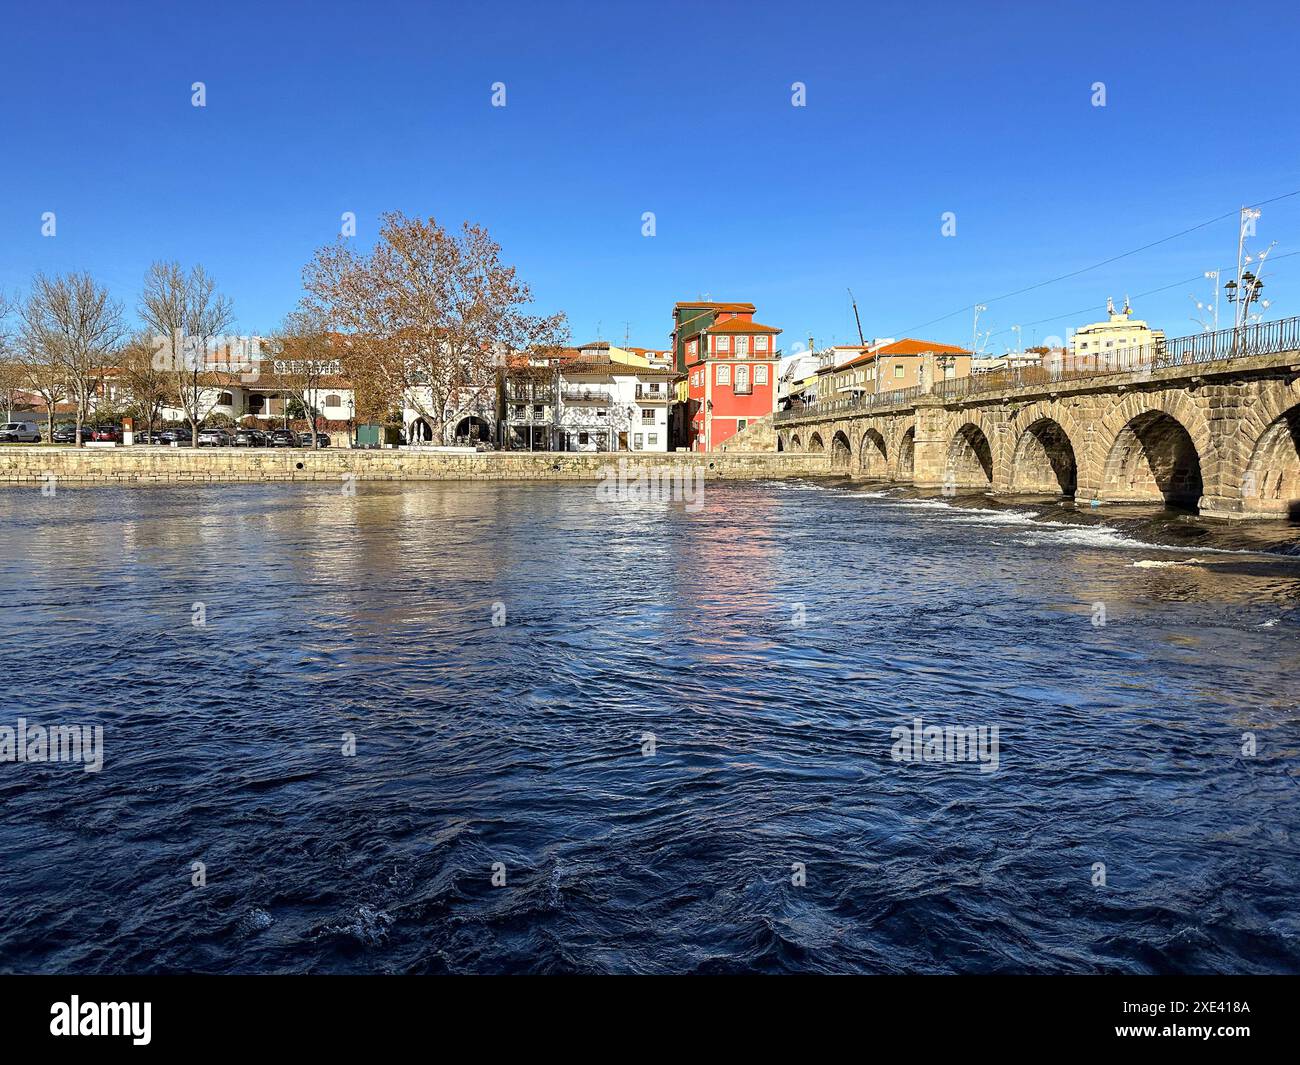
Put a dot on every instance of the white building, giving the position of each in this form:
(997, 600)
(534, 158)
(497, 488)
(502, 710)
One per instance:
(271, 391)
(470, 415)
(612, 406)
(252, 388)
(797, 374)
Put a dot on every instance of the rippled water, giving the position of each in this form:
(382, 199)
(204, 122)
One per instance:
(522, 744)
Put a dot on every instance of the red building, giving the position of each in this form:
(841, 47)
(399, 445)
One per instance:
(730, 362)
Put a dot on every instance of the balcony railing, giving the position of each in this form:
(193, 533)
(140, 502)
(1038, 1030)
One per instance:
(1262, 338)
(652, 394)
(586, 395)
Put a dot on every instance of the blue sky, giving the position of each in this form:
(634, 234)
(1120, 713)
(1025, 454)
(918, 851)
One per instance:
(684, 110)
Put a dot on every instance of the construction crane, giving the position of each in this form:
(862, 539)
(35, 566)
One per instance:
(861, 339)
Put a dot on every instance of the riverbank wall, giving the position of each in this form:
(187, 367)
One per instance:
(146, 465)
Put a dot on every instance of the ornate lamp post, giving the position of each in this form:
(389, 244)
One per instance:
(975, 328)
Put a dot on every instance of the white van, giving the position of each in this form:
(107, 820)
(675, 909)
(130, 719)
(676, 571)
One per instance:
(19, 432)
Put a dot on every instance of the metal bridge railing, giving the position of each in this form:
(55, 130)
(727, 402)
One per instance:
(1262, 338)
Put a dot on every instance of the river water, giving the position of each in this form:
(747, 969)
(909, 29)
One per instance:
(677, 748)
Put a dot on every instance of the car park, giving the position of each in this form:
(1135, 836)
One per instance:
(283, 438)
(214, 438)
(177, 435)
(322, 439)
(19, 433)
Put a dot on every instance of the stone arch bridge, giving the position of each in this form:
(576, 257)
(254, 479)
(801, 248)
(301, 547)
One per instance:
(1208, 423)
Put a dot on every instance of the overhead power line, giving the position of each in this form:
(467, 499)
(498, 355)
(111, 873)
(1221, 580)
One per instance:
(1094, 266)
(1139, 295)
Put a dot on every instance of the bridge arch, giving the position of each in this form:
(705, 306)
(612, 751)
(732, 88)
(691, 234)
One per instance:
(970, 458)
(1151, 447)
(841, 451)
(1044, 459)
(1153, 456)
(815, 444)
(905, 455)
(795, 443)
(873, 455)
(1270, 481)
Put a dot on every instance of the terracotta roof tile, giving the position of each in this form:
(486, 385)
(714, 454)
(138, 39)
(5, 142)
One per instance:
(737, 325)
(906, 346)
(585, 368)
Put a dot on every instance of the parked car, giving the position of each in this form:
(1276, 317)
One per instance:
(322, 439)
(178, 435)
(248, 437)
(214, 438)
(20, 433)
(67, 434)
(283, 438)
(111, 433)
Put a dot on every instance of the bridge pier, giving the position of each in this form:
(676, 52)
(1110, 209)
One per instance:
(930, 445)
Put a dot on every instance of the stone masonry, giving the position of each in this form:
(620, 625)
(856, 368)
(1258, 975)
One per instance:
(1223, 437)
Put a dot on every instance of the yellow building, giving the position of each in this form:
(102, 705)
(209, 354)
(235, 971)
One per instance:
(1121, 332)
(893, 364)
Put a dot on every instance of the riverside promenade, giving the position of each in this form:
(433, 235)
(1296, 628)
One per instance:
(149, 465)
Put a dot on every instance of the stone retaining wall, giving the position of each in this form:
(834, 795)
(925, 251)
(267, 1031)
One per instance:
(758, 435)
(146, 465)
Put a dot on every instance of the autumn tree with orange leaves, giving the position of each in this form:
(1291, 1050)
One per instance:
(429, 316)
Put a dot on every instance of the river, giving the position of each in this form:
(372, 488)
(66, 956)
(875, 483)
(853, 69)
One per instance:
(677, 748)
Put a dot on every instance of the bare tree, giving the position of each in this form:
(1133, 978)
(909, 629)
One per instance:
(13, 379)
(430, 315)
(186, 314)
(72, 321)
(46, 377)
(149, 386)
(306, 356)
(13, 375)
